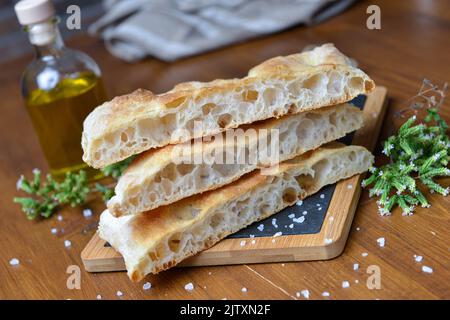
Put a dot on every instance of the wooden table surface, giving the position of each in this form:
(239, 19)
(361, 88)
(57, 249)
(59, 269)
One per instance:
(414, 43)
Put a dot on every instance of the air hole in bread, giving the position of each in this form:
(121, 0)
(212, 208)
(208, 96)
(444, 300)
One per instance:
(216, 220)
(250, 95)
(224, 120)
(290, 195)
(169, 172)
(315, 82)
(124, 137)
(152, 256)
(333, 118)
(185, 168)
(269, 96)
(206, 108)
(352, 156)
(175, 103)
(175, 241)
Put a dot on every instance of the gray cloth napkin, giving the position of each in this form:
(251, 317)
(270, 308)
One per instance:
(173, 29)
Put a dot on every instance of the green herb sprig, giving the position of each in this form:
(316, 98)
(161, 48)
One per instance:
(419, 153)
(44, 197)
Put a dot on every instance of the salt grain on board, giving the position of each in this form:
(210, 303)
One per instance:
(67, 243)
(299, 219)
(277, 234)
(119, 293)
(243, 242)
(291, 225)
(364, 254)
(325, 294)
(418, 258)
(322, 196)
(345, 284)
(189, 286)
(253, 241)
(355, 266)
(427, 269)
(328, 241)
(291, 216)
(99, 297)
(60, 217)
(54, 230)
(14, 261)
(260, 227)
(299, 203)
(349, 186)
(244, 289)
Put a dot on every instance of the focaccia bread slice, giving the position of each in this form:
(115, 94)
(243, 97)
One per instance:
(157, 240)
(159, 178)
(139, 121)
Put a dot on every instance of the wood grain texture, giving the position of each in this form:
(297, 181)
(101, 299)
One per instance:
(302, 247)
(412, 44)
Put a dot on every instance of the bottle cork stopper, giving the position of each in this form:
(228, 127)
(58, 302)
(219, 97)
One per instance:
(34, 11)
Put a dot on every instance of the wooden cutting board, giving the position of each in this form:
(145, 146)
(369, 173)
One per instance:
(319, 232)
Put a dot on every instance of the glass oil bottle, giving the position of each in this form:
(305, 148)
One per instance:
(61, 86)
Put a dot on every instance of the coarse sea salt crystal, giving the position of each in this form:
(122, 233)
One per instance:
(260, 227)
(345, 284)
(119, 293)
(325, 294)
(59, 217)
(299, 203)
(427, 269)
(14, 261)
(328, 240)
(67, 243)
(331, 219)
(99, 297)
(244, 289)
(300, 219)
(277, 234)
(291, 225)
(364, 254)
(305, 213)
(291, 216)
(87, 213)
(381, 241)
(349, 186)
(147, 286)
(54, 230)
(274, 223)
(355, 266)
(243, 242)
(189, 286)
(322, 196)
(253, 242)
(305, 293)
(418, 258)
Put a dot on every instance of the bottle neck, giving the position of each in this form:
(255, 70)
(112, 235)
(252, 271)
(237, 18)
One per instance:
(46, 39)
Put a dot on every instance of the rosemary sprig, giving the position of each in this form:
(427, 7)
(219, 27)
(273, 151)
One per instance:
(418, 154)
(44, 197)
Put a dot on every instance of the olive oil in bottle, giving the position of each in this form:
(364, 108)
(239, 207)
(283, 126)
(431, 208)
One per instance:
(60, 87)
